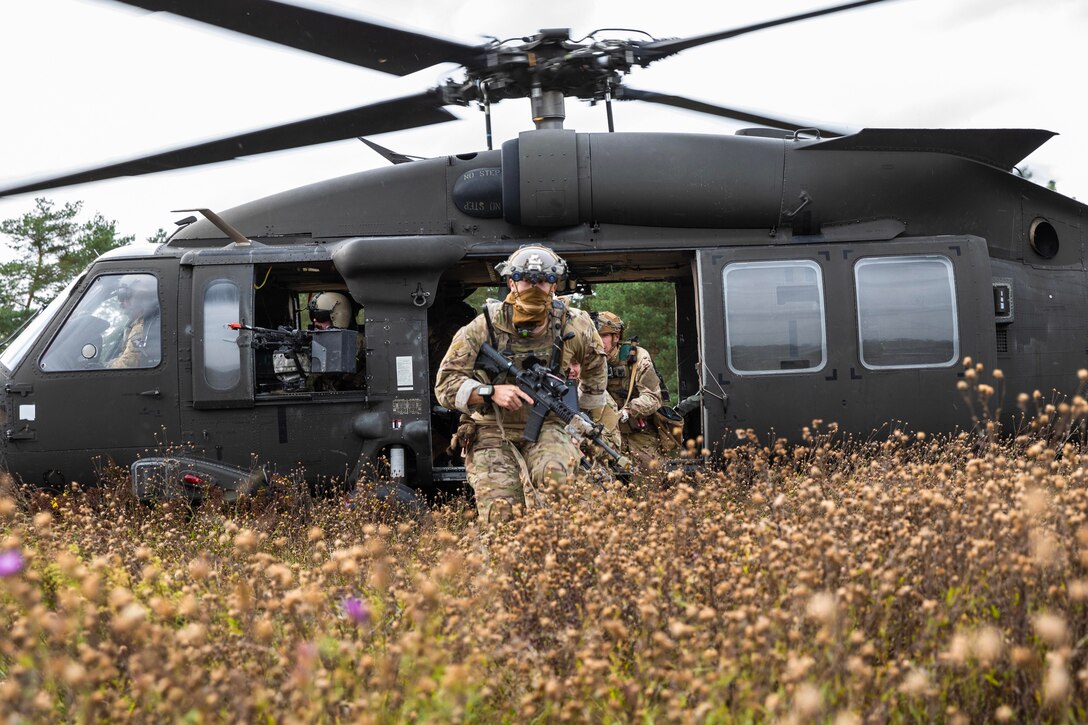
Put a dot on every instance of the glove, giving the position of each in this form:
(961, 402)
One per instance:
(625, 415)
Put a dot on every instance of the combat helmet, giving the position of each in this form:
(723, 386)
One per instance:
(331, 307)
(609, 323)
(533, 263)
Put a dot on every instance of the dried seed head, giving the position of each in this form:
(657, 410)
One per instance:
(959, 649)
(1036, 502)
(822, 607)
(807, 701)
(1051, 628)
(988, 645)
(1078, 590)
(245, 541)
(130, 617)
(915, 684)
(43, 520)
(199, 569)
(264, 629)
(192, 634)
(1056, 683)
(1045, 548)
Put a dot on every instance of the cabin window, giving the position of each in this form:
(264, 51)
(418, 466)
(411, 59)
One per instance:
(906, 312)
(774, 317)
(222, 365)
(116, 325)
(299, 356)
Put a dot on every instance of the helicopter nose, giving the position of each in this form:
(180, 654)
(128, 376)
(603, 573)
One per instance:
(5, 420)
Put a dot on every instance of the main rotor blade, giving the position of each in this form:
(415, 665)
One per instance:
(401, 113)
(626, 93)
(370, 45)
(658, 49)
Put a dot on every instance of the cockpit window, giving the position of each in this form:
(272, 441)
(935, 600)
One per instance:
(116, 325)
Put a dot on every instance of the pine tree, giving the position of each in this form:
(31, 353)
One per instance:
(45, 248)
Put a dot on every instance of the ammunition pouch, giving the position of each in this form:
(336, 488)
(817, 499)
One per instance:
(617, 372)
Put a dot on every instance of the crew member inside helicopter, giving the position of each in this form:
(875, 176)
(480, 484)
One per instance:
(329, 311)
(139, 301)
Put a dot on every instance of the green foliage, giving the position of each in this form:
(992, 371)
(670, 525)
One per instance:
(45, 248)
(648, 310)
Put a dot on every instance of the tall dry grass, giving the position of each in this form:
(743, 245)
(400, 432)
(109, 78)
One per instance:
(907, 579)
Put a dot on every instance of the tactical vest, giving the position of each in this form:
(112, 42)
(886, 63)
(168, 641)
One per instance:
(523, 351)
(620, 372)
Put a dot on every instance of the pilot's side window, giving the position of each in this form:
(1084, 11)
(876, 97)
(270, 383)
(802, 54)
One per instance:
(116, 325)
(906, 312)
(774, 317)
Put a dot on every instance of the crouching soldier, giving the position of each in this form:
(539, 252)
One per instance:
(634, 385)
(506, 472)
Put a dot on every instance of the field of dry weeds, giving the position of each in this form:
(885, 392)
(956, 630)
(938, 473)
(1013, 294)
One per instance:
(907, 579)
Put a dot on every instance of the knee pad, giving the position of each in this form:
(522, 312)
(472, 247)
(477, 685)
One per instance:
(498, 511)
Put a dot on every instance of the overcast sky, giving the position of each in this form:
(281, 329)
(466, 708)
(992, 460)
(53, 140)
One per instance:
(92, 81)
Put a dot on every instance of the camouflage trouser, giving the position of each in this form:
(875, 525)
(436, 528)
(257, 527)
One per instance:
(495, 475)
(642, 447)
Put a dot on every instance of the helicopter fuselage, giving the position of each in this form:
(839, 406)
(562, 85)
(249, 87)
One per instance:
(844, 280)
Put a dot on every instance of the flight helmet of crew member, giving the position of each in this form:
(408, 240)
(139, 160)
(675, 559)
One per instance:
(330, 309)
(137, 295)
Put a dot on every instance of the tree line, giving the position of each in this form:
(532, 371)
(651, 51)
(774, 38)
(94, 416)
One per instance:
(42, 251)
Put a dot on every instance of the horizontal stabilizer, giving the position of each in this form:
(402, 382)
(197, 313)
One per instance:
(1000, 147)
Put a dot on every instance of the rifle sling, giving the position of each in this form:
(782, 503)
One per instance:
(630, 382)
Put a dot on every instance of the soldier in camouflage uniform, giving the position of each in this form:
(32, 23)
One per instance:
(507, 473)
(634, 385)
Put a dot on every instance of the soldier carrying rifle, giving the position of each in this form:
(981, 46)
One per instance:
(530, 328)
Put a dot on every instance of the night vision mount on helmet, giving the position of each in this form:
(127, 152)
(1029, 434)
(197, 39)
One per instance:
(533, 263)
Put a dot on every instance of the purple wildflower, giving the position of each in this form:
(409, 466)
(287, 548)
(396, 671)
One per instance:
(11, 562)
(356, 610)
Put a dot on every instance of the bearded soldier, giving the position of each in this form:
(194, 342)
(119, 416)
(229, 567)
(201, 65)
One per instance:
(634, 385)
(505, 471)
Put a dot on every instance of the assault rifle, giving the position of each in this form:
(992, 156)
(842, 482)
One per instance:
(550, 394)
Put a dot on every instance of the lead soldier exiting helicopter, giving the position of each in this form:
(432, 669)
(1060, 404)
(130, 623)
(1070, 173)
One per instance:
(506, 472)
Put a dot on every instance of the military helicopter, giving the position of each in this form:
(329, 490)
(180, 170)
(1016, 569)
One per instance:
(818, 272)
